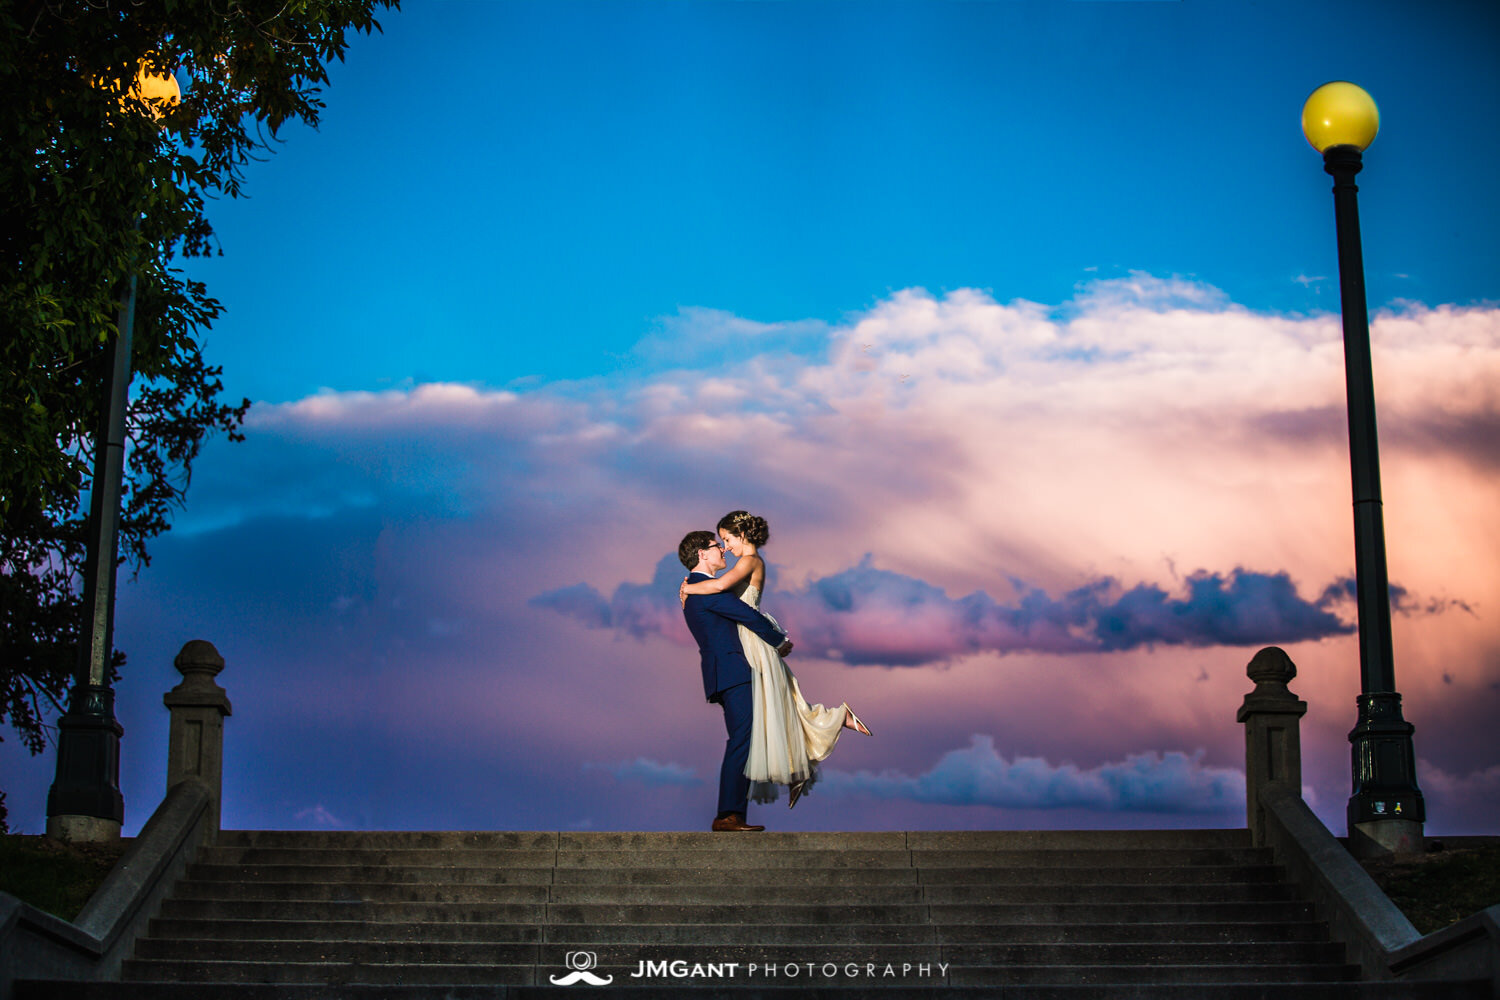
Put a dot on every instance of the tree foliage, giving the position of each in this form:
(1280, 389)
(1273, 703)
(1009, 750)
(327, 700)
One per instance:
(97, 185)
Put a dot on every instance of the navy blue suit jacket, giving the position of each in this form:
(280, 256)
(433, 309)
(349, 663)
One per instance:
(712, 619)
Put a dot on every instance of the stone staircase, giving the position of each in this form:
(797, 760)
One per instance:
(1035, 915)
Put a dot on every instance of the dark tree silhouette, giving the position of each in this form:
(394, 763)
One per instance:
(97, 184)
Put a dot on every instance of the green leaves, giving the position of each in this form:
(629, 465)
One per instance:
(94, 189)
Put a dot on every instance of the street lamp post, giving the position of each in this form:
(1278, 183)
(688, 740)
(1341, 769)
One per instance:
(1385, 812)
(84, 803)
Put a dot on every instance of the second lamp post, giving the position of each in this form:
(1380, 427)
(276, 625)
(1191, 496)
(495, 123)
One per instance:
(1385, 812)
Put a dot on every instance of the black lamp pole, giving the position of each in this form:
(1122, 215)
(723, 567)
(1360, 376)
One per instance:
(85, 802)
(1383, 760)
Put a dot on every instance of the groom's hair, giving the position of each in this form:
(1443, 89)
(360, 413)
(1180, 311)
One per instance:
(692, 543)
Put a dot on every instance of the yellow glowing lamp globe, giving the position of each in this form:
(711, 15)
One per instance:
(1340, 114)
(158, 91)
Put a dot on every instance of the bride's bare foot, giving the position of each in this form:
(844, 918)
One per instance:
(851, 721)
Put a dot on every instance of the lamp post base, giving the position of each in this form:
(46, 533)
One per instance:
(84, 803)
(1384, 837)
(1386, 811)
(83, 829)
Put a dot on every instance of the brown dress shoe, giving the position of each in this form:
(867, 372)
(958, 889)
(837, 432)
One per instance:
(734, 823)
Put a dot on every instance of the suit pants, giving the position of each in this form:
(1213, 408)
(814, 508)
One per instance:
(739, 717)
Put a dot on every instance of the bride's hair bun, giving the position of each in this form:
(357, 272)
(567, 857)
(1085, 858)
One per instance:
(746, 525)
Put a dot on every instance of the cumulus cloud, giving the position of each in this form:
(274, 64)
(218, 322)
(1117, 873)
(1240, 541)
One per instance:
(948, 477)
(651, 773)
(866, 615)
(696, 336)
(978, 774)
(1144, 419)
(869, 615)
(635, 609)
(320, 818)
(1345, 590)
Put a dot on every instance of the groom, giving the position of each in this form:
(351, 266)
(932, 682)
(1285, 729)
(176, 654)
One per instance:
(726, 673)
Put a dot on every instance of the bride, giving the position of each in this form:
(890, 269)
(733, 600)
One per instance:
(789, 736)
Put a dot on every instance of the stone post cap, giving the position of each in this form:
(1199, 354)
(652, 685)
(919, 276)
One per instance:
(1271, 666)
(198, 656)
(198, 662)
(1271, 669)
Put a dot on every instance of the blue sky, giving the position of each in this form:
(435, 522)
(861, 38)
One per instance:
(503, 191)
(1016, 320)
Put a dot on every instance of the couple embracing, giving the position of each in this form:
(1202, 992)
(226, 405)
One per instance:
(775, 736)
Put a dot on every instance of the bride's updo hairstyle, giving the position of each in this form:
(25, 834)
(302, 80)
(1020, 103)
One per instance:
(743, 524)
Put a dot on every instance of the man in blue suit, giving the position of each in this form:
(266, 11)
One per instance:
(726, 673)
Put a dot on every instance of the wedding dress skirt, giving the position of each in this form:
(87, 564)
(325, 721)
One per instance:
(789, 735)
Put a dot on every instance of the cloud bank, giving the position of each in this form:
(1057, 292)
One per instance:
(1173, 782)
(993, 497)
(870, 616)
(651, 773)
(949, 479)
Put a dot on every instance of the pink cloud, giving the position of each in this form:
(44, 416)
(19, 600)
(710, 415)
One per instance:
(867, 615)
(374, 555)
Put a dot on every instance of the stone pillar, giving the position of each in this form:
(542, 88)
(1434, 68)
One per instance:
(195, 741)
(1273, 742)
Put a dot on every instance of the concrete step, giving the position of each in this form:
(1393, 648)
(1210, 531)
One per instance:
(741, 933)
(403, 872)
(736, 876)
(685, 894)
(489, 974)
(976, 840)
(360, 952)
(1242, 932)
(1093, 858)
(366, 873)
(359, 892)
(243, 928)
(1079, 875)
(723, 913)
(481, 857)
(1228, 892)
(921, 876)
(1114, 975)
(990, 934)
(468, 974)
(964, 911)
(323, 910)
(574, 933)
(687, 875)
(789, 858)
(1077, 840)
(676, 840)
(544, 914)
(1193, 912)
(708, 948)
(497, 840)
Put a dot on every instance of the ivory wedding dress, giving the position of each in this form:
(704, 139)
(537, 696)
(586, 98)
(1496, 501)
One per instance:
(789, 736)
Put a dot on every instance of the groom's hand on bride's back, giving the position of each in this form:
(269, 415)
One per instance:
(785, 649)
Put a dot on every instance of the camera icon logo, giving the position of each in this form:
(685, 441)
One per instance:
(581, 962)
